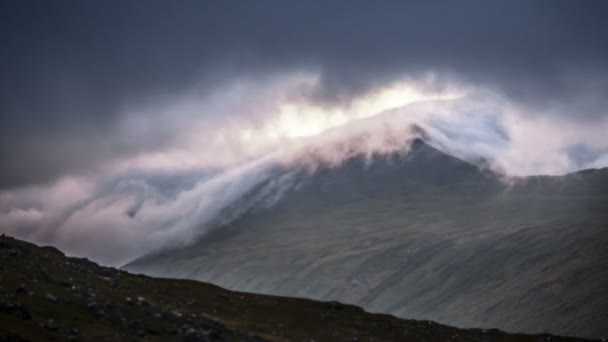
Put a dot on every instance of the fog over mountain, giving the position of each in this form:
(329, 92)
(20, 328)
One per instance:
(409, 156)
(97, 96)
(127, 209)
(416, 233)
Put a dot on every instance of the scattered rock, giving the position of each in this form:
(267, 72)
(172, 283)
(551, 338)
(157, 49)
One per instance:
(51, 298)
(173, 311)
(50, 325)
(193, 334)
(141, 301)
(96, 308)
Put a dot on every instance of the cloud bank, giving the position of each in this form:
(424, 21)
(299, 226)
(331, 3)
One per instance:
(128, 125)
(164, 199)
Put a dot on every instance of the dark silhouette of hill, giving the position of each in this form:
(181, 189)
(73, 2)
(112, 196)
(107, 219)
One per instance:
(46, 296)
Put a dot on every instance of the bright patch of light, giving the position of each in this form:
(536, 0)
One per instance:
(308, 119)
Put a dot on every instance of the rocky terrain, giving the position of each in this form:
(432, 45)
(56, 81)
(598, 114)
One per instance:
(46, 296)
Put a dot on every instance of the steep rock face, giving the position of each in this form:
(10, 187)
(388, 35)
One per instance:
(419, 234)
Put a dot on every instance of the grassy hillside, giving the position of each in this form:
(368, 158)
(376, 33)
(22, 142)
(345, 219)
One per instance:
(423, 236)
(46, 296)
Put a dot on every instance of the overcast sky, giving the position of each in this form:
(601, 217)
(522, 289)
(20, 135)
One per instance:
(90, 89)
(72, 69)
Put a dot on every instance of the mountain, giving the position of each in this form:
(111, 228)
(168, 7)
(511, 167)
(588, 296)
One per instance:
(46, 296)
(418, 234)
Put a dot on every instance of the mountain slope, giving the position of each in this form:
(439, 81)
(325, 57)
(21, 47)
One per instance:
(48, 296)
(422, 235)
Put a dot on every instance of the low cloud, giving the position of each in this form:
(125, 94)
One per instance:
(170, 197)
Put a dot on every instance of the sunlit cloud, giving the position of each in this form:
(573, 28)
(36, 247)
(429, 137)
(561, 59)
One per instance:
(306, 119)
(169, 195)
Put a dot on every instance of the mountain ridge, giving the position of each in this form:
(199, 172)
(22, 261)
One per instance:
(421, 234)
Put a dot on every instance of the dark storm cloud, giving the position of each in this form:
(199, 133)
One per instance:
(69, 68)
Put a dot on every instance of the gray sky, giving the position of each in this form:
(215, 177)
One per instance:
(70, 68)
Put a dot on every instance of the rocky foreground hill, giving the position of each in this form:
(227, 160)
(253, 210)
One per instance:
(45, 295)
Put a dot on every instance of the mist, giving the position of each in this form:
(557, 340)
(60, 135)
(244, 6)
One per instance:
(175, 194)
(127, 127)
